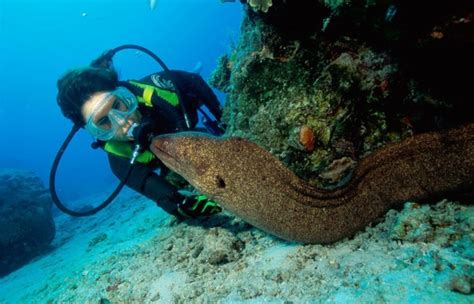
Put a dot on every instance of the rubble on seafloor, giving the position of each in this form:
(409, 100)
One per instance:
(133, 252)
(419, 253)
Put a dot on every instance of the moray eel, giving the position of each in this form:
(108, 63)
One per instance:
(251, 183)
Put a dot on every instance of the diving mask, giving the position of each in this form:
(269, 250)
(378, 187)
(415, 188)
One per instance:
(111, 113)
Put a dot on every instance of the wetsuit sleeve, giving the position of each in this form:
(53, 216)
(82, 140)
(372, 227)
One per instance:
(143, 180)
(196, 89)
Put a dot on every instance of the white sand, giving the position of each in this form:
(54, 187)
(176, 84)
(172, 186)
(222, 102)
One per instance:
(133, 252)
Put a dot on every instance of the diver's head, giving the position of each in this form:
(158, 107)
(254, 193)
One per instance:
(111, 114)
(78, 85)
(90, 97)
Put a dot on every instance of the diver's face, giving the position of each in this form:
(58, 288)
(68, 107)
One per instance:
(109, 116)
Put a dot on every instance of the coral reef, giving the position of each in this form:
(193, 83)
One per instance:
(26, 222)
(262, 5)
(358, 74)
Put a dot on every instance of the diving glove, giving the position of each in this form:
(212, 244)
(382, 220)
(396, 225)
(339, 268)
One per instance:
(198, 206)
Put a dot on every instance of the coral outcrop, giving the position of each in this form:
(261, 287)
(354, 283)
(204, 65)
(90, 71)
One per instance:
(358, 74)
(262, 5)
(26, 223)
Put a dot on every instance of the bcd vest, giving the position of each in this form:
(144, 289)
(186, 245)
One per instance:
(145, 97)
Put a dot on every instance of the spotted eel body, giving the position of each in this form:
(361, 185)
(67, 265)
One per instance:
(251, 183)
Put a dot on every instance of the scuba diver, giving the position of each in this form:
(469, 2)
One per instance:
(122, 115)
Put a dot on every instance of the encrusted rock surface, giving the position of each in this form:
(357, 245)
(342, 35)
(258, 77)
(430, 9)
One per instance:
(26, 223)
(358, 74)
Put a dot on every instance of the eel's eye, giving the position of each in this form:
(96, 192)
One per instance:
(220, 182)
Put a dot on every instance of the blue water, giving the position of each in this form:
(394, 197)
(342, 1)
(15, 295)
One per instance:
(40, 40)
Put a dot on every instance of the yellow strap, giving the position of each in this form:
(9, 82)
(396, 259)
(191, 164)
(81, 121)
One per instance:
(148, 90)
(148, 94)
(124, 149)
(145, 102)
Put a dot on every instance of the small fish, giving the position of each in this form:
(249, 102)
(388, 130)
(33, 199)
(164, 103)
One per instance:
(390, 13)
(197, 68)
(152, 4)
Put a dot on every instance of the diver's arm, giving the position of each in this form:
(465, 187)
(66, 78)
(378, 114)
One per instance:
(198, 90)
(143, 180)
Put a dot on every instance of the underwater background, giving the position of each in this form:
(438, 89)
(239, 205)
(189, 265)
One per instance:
(42, 40)
(320, 84)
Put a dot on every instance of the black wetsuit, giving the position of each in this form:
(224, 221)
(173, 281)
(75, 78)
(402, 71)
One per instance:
(195, 92)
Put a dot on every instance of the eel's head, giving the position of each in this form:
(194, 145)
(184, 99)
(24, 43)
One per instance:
(205, 161)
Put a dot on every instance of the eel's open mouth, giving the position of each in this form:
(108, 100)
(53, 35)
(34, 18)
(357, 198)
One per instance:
(159, 148)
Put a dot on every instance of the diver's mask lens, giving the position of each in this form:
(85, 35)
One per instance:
(111, 113)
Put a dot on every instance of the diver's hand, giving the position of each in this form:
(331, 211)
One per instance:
(198, 206)
(214, 127)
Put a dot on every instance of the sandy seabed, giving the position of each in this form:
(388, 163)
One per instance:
(133, 252)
